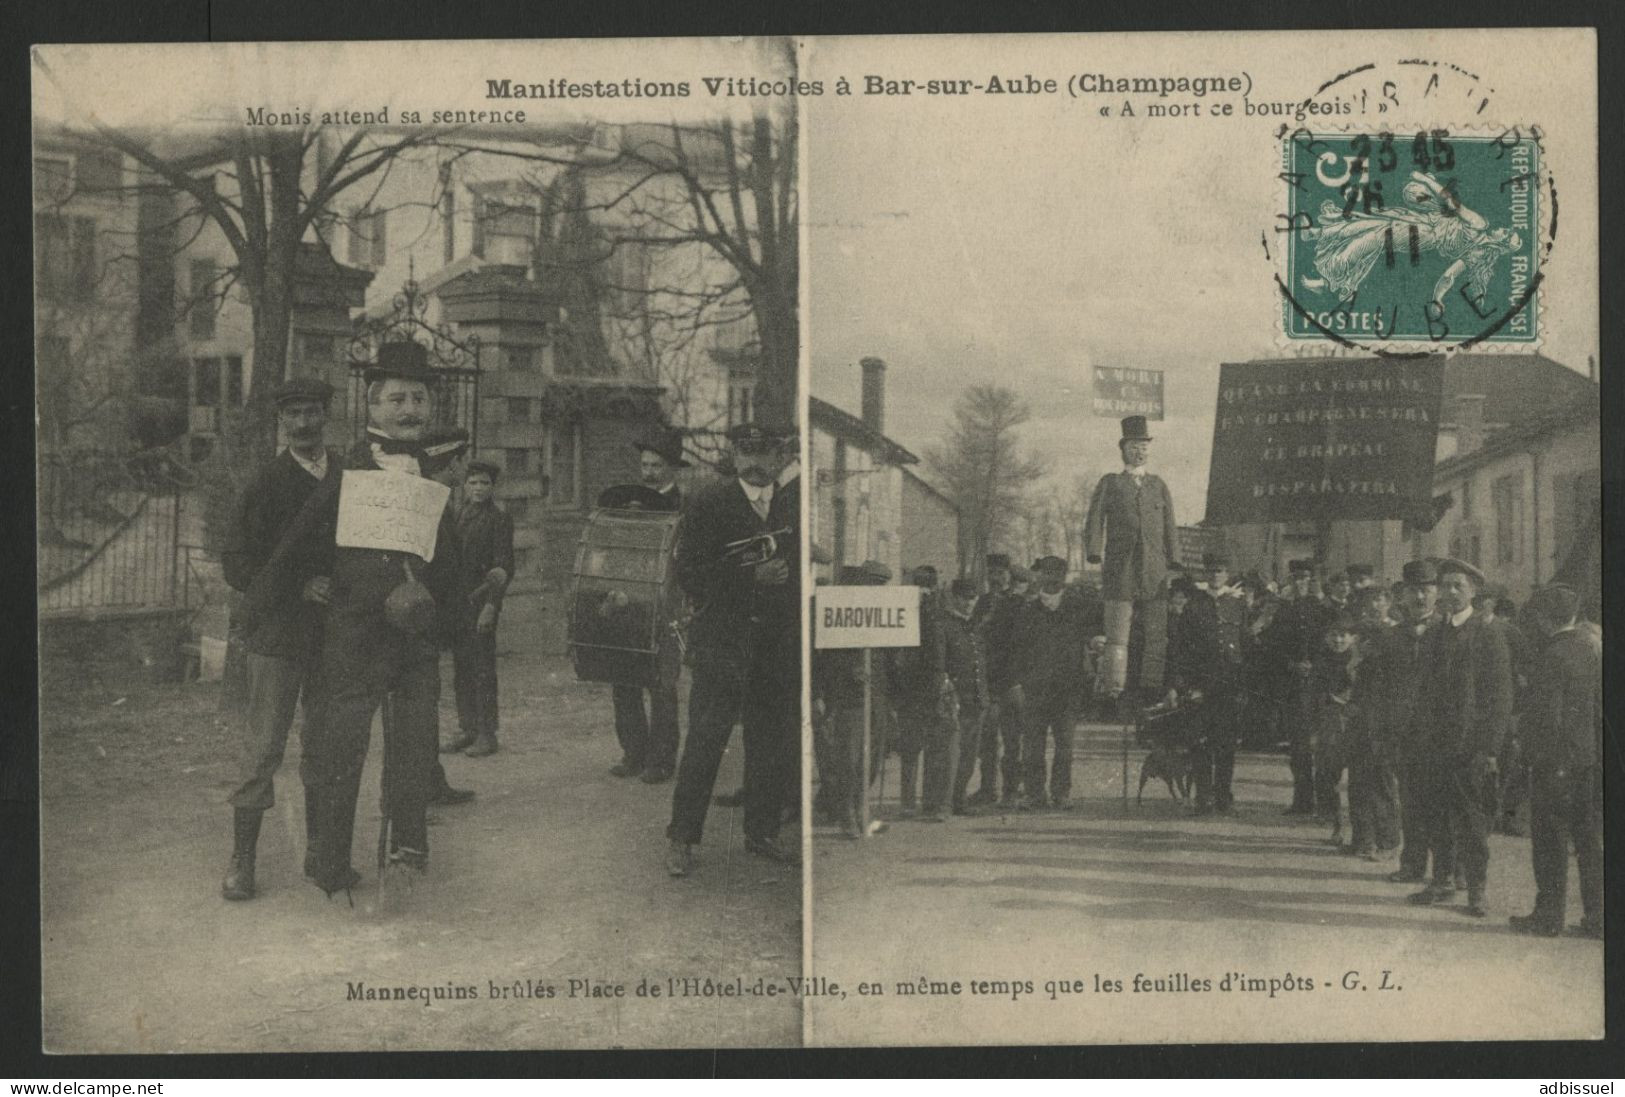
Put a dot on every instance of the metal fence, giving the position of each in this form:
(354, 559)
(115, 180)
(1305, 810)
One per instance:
(109, 531)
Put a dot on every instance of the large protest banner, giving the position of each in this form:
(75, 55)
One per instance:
(1320, 439)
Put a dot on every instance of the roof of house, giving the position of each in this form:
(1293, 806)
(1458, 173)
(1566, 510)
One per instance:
(910, 476)
(1584, 408)
(845, 425)
(1515, 387)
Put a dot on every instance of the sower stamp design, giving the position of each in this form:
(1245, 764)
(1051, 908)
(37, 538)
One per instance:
(1428, 240)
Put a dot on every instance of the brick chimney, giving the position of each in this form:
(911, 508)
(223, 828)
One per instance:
(874, 394)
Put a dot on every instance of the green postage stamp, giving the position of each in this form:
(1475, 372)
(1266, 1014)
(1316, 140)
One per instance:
(1427, 240)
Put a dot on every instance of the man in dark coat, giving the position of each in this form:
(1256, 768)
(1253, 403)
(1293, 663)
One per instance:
(919, 689)
(1563, 743)
(649, 737)
(1196, 674)
(1394, 723)
(485, 543)
(1462, 716)
(389, 613)
(1051, 661)
(966, 667)
(1131, 528)
(1216, 760)
(283, 643)
(740, 539)
(996, 612)
(1294, 639)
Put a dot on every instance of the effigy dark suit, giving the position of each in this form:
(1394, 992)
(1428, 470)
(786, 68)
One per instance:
(1131, 529)
(367, 660)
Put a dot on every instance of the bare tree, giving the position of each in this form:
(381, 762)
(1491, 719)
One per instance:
(983, 469)
(625, 232)
(265, 189)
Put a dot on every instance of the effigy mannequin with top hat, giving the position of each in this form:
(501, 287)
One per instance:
(1131, 533)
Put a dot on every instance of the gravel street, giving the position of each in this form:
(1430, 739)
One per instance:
(553, 874)
(1044, 903)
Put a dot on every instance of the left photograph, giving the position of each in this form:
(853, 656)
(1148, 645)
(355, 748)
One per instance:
(419, 524)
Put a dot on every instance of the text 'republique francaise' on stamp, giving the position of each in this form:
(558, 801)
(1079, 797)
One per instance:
(1396, 238)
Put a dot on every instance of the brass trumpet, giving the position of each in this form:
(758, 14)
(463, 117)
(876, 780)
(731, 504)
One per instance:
(747, 552)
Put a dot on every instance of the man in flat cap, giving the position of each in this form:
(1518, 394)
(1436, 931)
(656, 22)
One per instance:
(1464, 711)
(649, 737)
(1131, 532)
(1563, 742)
(485, 543)
(738, 564)
(1051, 667)
(282, 644)
(390, 612)
(1294, 639)
(995, 617)
(920, 689)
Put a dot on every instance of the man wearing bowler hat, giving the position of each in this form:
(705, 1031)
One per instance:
(1563, 739)
(1131, 531)
(738, 563)
(389, 613)
(1395, 727)
(648, 737)
(282, 641)
(1463, 712)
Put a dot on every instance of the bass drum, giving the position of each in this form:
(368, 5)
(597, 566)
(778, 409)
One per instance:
(624, 599)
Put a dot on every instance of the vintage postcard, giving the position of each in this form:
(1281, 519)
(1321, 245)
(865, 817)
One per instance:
(282, 290)
(1190, 632)
(1232, 401)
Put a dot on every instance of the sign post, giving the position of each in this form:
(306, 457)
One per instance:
(860, 617)
(1120, 392)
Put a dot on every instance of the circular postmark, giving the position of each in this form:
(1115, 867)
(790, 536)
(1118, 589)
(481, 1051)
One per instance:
(1408, 223)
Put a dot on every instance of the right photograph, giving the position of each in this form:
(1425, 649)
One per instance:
(1205, 523)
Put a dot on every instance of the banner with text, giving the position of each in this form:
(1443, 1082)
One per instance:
(1121, 392)
(866, 617)
(1313, 439)
(390, 510)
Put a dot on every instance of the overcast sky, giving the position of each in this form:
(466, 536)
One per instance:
(1022, 242)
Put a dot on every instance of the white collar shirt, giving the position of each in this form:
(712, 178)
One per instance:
(395, 462)
(317, 468)
(761, 498)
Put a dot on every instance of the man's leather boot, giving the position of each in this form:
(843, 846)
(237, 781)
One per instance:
(239, 882)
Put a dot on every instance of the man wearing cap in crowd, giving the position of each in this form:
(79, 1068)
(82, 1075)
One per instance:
(282, 642)
(1216, 761)
(1051, 666)
(389, 612)
(995, 617)
(1294, 639)
(485, 540)
(920, 689)
(1131, 531)
(735, 562)
(966, 665)
(649, 737)
(1464, 710)
(1563, 740)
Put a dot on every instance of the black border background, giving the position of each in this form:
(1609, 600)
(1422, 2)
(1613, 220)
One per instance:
(23, 22)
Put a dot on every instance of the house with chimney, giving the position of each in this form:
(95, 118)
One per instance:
(868, 501)
(1517, 484)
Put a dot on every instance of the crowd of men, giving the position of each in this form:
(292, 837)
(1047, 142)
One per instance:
(1416, 717)
(336, 627)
